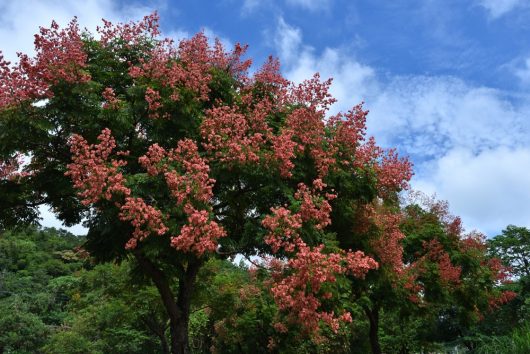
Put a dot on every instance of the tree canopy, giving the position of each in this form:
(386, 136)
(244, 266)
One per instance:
(174, 155)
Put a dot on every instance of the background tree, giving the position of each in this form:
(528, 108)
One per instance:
(448, 282)
(434, 282)
(512, 246)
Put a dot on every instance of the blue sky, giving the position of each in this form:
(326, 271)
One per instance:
(447, 81)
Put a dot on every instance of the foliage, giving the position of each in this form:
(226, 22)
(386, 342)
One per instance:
(517, 342)
(512, 246)
(35, 274)
(106, 314)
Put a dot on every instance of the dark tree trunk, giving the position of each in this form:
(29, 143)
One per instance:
(178, 309)
(373, 318)
(179, 330)
(163, 344)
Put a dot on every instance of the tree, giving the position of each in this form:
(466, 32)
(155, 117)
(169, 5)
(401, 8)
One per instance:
(174, 154)
(447, 282)
(512, 246)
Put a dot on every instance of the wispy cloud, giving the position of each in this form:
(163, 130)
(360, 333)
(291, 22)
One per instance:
(249, 6)
(469, 144)
(523, 71)
(312, 5)
(498, 8)
(430, 115)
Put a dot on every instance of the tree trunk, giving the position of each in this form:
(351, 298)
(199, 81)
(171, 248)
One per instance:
(179, 330)
(163, 344)
(373, 317)
(178, 311)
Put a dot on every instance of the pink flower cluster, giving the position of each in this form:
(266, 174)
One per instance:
(232, 62)
(189, 66)
(499, 272)
(300, 292)
(9, 168)
(195, 181)
(312, 93)
(199, 235)
(186, 67)
(91, 170)
(314, 208)
(111, 102)
(472, 242)
(388, 246)
(284, 152)
(96, 175)
(504, 297)
(283, 224)
(348, 130)
(187, 177)
(308, 129)
(152, 97)
(448, 273)
(129, 34)
(185, 171)
(154, 160)
(60, 57)
(270, 75)
(304, 129)
(228, 133)
(392, 172)
(144, 218)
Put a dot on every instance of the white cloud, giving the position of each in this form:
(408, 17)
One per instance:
(288, 43)
(469, 144)
(488, 190)
(177, 35)
(497, 8)
(251, 6)
(212, 35)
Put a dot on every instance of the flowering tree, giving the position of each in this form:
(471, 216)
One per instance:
(431, 273)
(174, 153)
